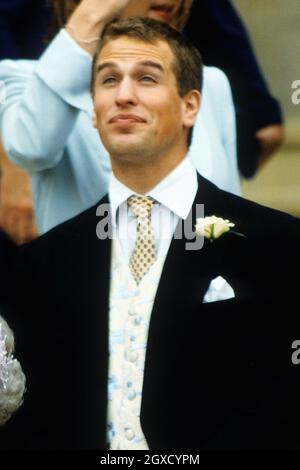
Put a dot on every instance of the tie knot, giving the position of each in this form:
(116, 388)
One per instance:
(141, 205)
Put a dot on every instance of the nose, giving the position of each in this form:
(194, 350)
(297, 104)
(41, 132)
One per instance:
(126, 94)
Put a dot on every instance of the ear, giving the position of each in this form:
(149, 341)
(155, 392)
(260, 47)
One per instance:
(94, 119)
(191, 105)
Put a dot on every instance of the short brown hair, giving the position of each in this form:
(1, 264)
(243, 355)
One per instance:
(187, 62)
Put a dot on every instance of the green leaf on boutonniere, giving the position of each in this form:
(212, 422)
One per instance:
(213, 227)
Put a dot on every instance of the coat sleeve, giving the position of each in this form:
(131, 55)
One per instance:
(42, 102)
(9, 275)
(217, 30)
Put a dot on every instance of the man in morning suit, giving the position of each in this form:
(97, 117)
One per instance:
(116, 338)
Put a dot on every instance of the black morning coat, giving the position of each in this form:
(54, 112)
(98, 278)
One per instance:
(217, 375)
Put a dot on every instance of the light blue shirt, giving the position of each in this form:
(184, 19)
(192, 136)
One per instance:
(46, 128)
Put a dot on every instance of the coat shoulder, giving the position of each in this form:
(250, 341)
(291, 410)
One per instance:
(254, 219)
(63, 235)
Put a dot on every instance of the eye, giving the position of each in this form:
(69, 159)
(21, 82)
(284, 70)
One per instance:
(148, 79)
(109, 80)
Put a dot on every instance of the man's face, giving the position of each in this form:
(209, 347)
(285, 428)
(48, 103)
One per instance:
(138, 110)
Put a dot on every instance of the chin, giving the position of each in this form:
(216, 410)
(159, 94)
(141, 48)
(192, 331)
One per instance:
(128, 154)
(127, 147)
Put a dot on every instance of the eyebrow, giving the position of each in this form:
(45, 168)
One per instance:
(144, 63)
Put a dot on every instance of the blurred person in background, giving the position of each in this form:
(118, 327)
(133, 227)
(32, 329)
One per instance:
(23, 26)
(217, 30)
(23, 32)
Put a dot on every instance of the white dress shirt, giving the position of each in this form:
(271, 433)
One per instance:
(170, 209)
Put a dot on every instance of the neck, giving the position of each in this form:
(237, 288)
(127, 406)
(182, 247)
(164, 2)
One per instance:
(142, 177)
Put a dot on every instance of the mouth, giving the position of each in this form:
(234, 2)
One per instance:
(126, 119)
(163, 10)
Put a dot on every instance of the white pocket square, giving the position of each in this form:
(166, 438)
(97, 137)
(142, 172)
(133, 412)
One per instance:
(218, 289)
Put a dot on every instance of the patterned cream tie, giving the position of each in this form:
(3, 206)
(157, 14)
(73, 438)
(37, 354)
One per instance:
(144, 254)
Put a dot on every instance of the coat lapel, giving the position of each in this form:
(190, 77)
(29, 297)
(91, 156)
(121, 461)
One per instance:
(94, 262)
(184, 281)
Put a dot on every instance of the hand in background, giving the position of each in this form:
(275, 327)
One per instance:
(270, 139)
(90, 17)
(16, 209)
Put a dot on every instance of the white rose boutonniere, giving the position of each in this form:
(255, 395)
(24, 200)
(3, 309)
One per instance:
(212, 227)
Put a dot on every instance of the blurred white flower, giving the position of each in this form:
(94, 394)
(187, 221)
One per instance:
(5, 360)
(12, 378)
(212, 227)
